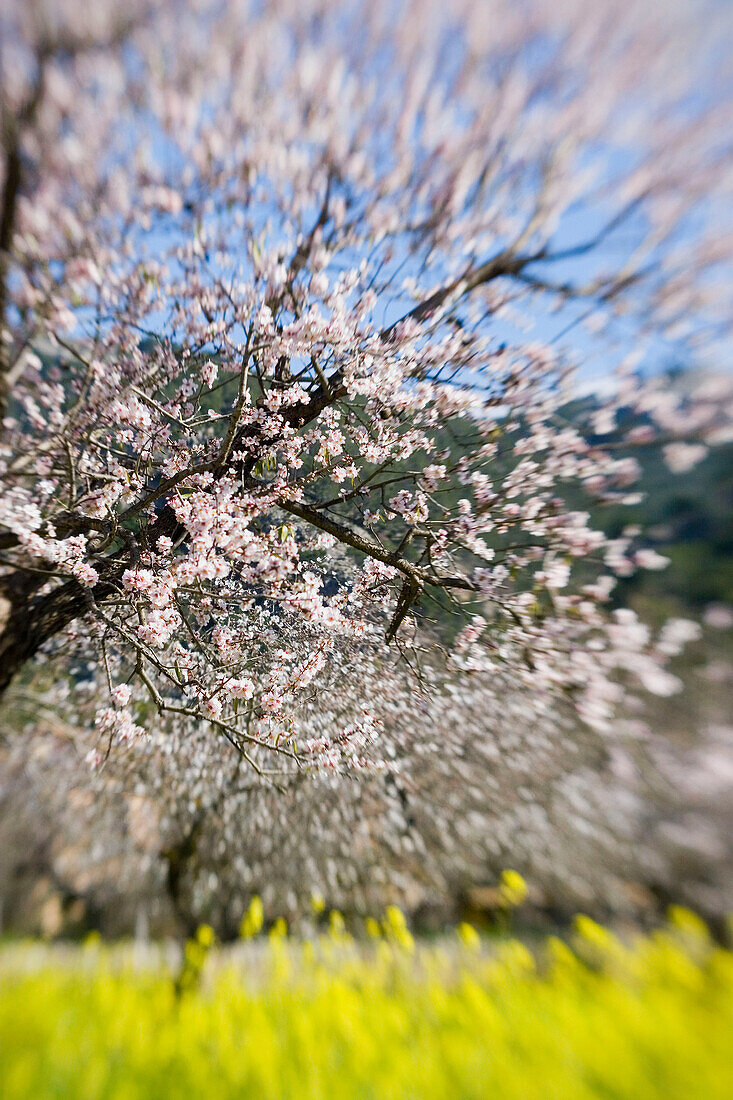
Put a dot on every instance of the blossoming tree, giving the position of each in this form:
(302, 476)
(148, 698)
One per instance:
(293, 299)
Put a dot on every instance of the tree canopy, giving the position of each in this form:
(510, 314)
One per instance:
(293, 298)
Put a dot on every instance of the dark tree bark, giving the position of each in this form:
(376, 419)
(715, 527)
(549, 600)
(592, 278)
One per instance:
(29, 620)
(28, 623)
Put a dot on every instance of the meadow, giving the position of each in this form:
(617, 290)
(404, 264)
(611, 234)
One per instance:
(586, 1016)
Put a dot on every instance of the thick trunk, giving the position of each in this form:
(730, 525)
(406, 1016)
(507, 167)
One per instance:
(26, 623)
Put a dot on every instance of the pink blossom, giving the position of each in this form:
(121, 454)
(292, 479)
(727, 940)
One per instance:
(209, 373)
(86, 574)
(121, 695)
(681, 457)
(240, 688)
(650, 559)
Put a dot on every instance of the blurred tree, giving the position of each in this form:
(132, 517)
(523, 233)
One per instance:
(253, 258)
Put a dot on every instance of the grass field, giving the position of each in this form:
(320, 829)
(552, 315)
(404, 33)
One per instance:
(383, 1017)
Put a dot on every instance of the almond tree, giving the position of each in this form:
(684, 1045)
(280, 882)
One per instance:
(294, 297)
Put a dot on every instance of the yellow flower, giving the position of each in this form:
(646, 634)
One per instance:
(318, 902)
(468, 936)
(684, 920)
(512, 888)
(336, 923)
(205, 935)
(253, 919)
(279, 929)
(373, 930)
(396, 930)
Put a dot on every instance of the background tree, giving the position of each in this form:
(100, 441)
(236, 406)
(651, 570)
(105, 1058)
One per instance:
(181, 831)
(258, 262)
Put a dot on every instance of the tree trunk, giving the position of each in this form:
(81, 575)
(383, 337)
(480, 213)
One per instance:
(27, 622)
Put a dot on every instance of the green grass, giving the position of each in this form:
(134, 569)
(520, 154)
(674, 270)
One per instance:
(389, 1018)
